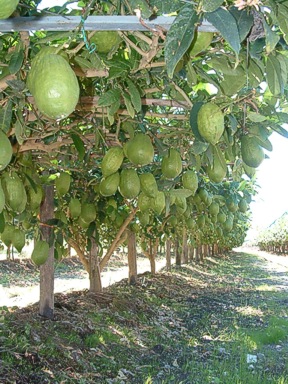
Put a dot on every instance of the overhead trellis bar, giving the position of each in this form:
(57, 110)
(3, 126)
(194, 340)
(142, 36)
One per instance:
(92, 23)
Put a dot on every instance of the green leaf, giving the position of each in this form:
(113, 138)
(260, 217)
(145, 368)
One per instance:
(183, 193)
(19, 132)
(244, 21)
(179, 37)
(16, 62)
(2, 222)
(271, 37)
(167, 6)
(83, 63)
(279, 129)
(16, 85)
(283, 61)
(273, 75)
(256, 117)
(129, 106)
(143, 5)
(193, 120)
(199, 147)
(211, 5)
(6, 116)
(79, 145)
(282, 17)
(135, 95)
(264, 143)
(109, 97)
(226, 24)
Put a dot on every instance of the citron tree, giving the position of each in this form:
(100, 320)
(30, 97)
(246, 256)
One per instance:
(154, 129)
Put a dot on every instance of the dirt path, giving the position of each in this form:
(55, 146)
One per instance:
(21, 296)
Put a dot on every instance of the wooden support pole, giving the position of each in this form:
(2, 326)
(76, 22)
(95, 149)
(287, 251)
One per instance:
(132, 258)
(46, 305)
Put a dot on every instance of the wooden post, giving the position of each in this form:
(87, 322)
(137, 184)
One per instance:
(94, 268)
(177, 253)
(185, 247)
(46, 305)
(132, 258)
(168, 255)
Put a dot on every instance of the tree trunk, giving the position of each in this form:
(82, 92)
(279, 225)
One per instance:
(94, 268)
(153, 249)
(191, 253)
(46, 305)
(185, 247)
(168, 255)
(132, 258)
(177, 253)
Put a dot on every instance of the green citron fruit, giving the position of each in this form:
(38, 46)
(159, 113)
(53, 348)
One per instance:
(158, 203)
(74, 208)
(252, 153)
(88, 212)
(140, 150)
(171, 164)
(201, 220)
(2, 198)
(105, 41)
(112, 161)
(35, 197)
(232, 204)
(32, 74)
(210, 120)
(110, 184)
(190, 181)
(217, 171)
(55, 87)
(221, 217)
(214, 208)
(129, 185)
(200, 43)
(144, 202)
(40, 252)
(228, 225)
(242, 205)
(82, 223)
(7, 235)
(62, 183)
(18, 240)
(7, 7)
(144, 218)
(14, 190)
(5, 150)
(148, 184)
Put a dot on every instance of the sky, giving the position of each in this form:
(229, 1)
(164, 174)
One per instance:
(272, 199)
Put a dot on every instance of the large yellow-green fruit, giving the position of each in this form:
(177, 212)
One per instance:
(88, 212)
(35, 197)
(7, 235)
(190, 181)
(144, 202)
(105, 40)
(129, 186)
(144, 218)
(243, 205)
(201, 41)
(217, 171)
(54, 86)
(140, 150)
(171, 165)
(7, 7)
(62, 183)
(18, 240)
(74, 208)
(221, 217)
(110, 184)
(214, 208)
(210, 120)
(15, 194)
(148, 184)
(158, 203)
(252, 153)
(5, 150)
(2, 198)
(112, 161)
(40, 252)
